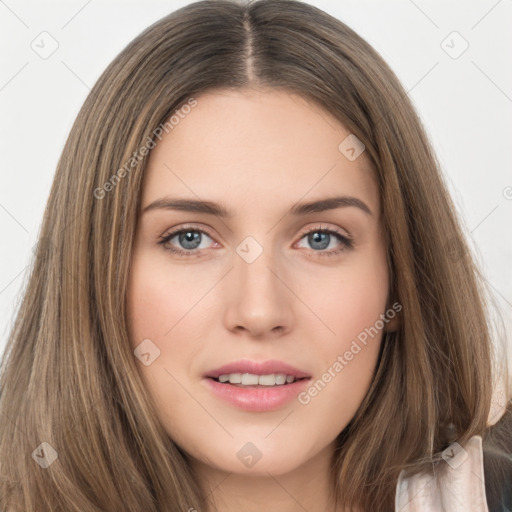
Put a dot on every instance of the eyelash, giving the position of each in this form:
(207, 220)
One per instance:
(346, 241)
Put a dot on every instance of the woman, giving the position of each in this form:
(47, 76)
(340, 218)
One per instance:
(251, 290)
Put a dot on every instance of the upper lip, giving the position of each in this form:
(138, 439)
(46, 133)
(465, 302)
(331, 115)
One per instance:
(257, 368)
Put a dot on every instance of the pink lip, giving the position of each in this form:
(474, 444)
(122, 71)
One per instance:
(257, 398)
(263, 368)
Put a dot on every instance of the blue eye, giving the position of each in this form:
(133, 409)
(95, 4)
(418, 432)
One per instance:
(189, 241)
(321, 239)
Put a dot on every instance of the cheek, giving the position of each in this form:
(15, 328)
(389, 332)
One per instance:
(351, 305)
(157, 307)
(150, 307)
(346, 366)
(158, 299)
(154, 305)
(351, 300)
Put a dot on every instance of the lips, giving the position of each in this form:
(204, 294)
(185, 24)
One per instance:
(244, 366)
(235, 383)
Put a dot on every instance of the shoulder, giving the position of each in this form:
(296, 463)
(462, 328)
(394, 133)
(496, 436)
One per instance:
(497, 463)
(455, 483)
(477, 476)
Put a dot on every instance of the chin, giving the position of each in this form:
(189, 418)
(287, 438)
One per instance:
(257, 456)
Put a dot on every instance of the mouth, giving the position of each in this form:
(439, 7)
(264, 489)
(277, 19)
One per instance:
(257, 387)
(252, 380)
(253, 373)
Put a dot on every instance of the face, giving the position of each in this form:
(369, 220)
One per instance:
(259, 259)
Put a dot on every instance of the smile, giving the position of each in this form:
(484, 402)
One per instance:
(256, 386)
(251, 379)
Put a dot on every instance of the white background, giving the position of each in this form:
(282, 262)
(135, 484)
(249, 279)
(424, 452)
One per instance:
(465, 104)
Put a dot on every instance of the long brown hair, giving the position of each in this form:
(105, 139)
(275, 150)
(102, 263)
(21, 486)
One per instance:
(70, 387)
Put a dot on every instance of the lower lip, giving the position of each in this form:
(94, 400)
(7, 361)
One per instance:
(257, 399)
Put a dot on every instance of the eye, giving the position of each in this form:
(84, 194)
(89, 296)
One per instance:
(320, 239)
(185, 241)
(189, 241)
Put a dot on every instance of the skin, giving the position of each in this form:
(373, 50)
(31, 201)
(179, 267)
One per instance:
(257, 152)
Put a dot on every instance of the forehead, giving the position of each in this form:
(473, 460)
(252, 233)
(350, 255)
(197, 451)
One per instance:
(253, 146)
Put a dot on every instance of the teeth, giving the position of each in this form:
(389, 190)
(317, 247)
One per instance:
(250, 379)
(233, 378)
(281, 379)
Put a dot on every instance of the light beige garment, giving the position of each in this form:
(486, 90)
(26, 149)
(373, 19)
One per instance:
(458, 485)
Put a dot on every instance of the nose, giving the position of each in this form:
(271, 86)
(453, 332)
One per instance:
(258, 301)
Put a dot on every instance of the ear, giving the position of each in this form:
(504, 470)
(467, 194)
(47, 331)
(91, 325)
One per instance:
(393, 324)
(393, 317)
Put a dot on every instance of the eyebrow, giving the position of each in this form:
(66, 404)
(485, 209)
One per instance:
(299, 209)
